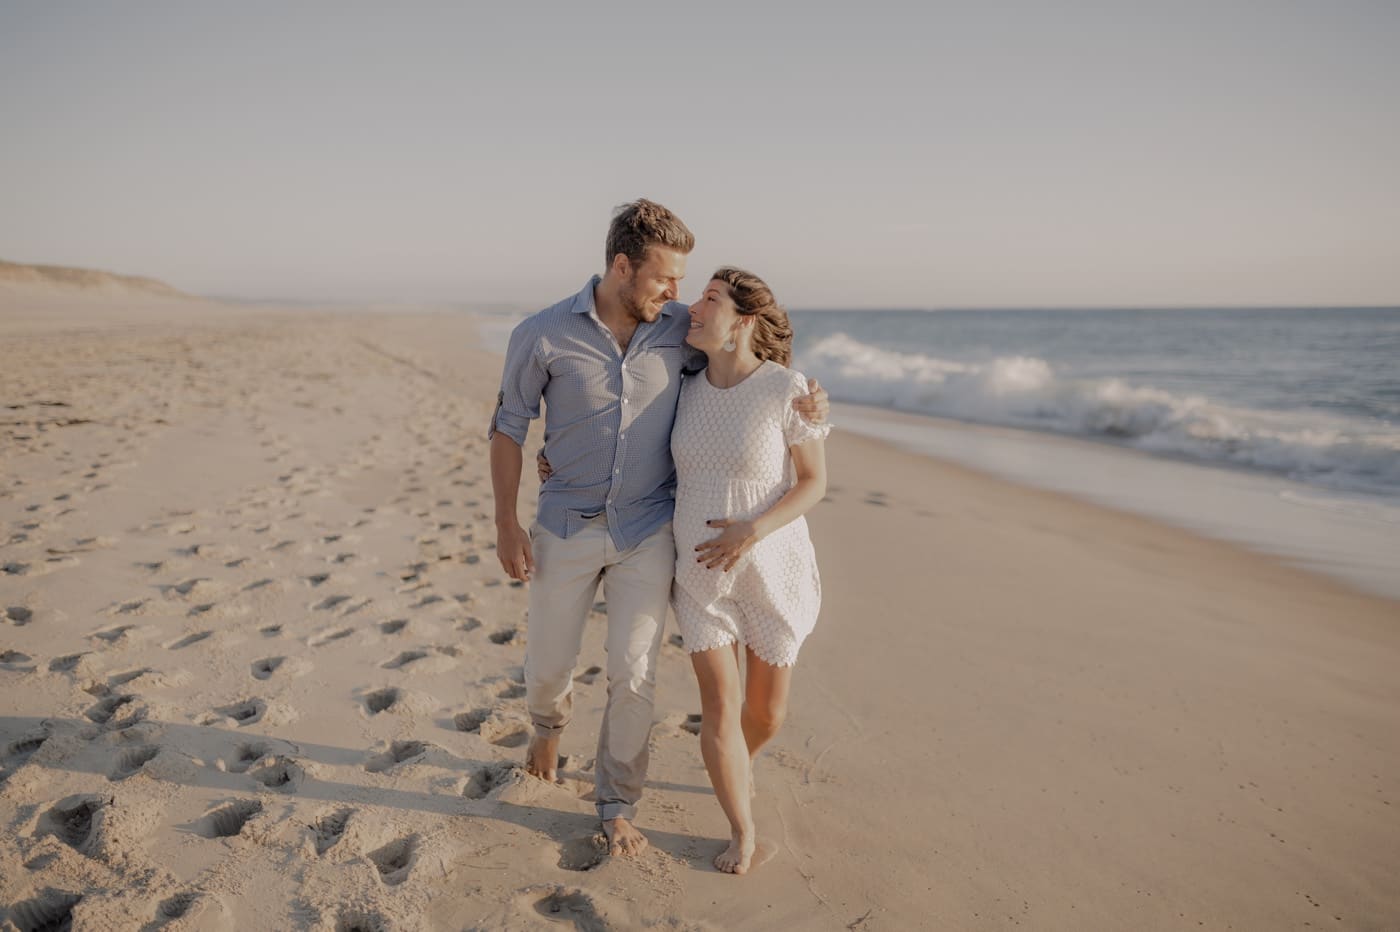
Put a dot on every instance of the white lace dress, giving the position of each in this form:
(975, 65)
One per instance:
(732, 461)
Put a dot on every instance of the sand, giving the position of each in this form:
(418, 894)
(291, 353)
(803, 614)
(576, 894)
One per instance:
(260, 669)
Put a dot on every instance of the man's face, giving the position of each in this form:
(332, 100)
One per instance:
(653, 283)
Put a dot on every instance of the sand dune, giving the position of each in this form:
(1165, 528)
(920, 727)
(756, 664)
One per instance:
(91, 281)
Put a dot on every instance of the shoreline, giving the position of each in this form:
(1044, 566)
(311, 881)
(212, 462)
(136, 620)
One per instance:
(272, 532)
(1289, 521)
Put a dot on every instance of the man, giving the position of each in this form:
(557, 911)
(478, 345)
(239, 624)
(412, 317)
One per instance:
(607, 362)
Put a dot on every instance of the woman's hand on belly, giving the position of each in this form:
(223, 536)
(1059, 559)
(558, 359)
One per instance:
(725, 551)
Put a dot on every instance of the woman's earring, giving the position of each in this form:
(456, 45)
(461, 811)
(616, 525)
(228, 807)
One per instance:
(729, 344)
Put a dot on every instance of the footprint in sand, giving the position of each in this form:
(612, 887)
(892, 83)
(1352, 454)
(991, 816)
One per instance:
(14, 660)
(281, 773)
(248, 755)
(122, 679)
(52, 909)
(395, 859)
(132, 760)
(113, 635)
(471, 721)
(228, 821)
(176, 907)
(21, 749)
(393, 627)
(193, 588)
(327, 636)
(246, 712)
(68, 663)
(107, 709)
(505, 734)
(270, 631)
(381, 700)
(511, 691)
(187, 640)
(692, 723)
(17, 615)
(584, 853)
(492, 777)
(71, 820)
(399, 752)
(357, 920)
(564, 905)
(262, 669)
(330, 828)
(588, 677)
(471, 624)
(404, 659)
(504, 635)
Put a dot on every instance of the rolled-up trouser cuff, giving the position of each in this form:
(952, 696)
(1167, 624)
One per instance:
(615, 810)
(549, 731)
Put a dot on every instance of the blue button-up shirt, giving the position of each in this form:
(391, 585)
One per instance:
(608, 414)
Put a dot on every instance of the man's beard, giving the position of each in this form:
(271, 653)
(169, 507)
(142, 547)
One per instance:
(635, 305)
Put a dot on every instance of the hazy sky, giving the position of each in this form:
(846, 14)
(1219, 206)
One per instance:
(855, 155)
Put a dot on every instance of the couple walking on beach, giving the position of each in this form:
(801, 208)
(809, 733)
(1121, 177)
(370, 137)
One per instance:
(680, 455)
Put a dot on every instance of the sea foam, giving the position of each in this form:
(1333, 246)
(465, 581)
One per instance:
(1026, 392)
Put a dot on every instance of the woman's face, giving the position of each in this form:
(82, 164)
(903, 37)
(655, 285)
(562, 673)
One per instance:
(714, 319)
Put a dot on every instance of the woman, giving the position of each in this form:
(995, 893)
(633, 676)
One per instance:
(748, 465)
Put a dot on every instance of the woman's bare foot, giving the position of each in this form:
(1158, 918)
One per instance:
(737, 858)
(542, 759)
(623, 837)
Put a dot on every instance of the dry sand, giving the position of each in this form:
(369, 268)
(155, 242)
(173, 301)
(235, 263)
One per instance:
(259, 669)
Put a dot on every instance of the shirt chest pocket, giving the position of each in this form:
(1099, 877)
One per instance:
(659, 363)
(664, 357)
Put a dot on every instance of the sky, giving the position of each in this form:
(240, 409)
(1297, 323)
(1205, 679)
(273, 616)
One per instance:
(980, 154)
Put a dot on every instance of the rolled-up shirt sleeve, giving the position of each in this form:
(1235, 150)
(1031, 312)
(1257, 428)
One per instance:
(522, 385)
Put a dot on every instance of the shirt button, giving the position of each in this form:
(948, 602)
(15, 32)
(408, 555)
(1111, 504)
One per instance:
(616, 472)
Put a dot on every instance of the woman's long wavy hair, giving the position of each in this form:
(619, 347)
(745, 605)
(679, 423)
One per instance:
(772, 332)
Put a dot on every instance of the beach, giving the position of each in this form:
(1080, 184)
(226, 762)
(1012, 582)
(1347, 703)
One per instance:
(260, 668)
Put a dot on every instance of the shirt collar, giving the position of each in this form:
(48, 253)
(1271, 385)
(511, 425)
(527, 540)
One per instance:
(584, 302)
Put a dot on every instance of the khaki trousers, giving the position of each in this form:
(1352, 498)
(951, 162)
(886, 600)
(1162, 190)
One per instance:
(637, 588)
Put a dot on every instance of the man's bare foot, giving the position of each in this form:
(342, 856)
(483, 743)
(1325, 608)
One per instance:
(623, 837)
(737, 858)
(542, 758)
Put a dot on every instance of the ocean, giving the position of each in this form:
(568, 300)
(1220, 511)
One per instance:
(1275, 427)
(1312, 395)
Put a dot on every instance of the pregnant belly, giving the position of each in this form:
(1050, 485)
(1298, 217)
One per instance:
(696, 505)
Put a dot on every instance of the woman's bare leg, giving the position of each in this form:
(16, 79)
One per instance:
(724, 751)
(765, 701)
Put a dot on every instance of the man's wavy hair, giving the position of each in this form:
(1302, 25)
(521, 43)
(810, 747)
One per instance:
(644, 223)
